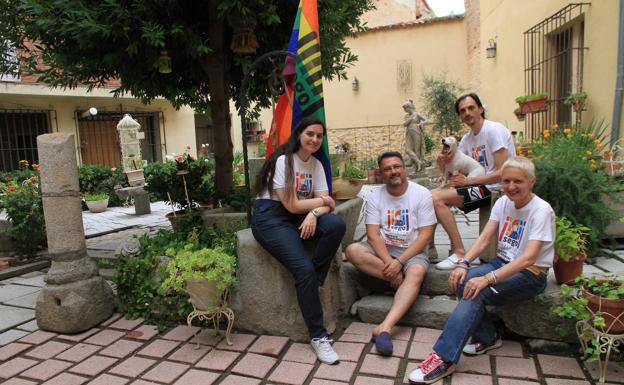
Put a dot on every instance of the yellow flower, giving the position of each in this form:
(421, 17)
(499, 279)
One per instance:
(567, 131)
(589, 152)
(546, 134)
(554, 125)
(598, 142)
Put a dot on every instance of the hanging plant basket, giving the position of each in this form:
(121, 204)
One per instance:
(534, 105)
(520, 115)
(578, 105)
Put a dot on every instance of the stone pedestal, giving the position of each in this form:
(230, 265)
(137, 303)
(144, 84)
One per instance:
(140, 197)
(75, 298)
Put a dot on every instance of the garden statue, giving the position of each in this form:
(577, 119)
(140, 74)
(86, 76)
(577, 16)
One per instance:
(75, 297)
(414, 135)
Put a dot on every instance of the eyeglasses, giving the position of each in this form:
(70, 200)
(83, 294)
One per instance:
(393, 167)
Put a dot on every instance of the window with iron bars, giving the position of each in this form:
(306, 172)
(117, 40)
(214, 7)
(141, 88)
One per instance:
(553, 63)
(18, 136)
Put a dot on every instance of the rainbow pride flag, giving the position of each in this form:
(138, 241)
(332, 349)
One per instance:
(304, 93)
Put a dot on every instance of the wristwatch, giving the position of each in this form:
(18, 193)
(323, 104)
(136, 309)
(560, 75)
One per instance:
(316, 212)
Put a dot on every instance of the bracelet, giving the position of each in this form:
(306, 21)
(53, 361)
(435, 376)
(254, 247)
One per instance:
(464, 262)
(493, 272)
(489, 279)
(398, 260)
(458, 266)
(316, 213)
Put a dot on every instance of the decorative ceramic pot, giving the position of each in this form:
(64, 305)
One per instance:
(203, 294)
(610, 309)
(97, 206)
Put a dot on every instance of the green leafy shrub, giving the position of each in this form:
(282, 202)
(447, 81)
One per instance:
(353, 172)
(571, 178)
(24, 210)
(438, 96)
(199, 263)
(162, 180)
(570, 240)
(534, 96)
(99, 179)
(575, 97)
(429, 143)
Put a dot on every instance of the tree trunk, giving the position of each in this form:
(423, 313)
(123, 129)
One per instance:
(216, 68)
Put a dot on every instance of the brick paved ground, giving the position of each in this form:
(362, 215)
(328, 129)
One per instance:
(121, 351)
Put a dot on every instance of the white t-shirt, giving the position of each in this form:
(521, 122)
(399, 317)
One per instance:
(516, 227)
(492, 137)
(309, 177)
(400, 217)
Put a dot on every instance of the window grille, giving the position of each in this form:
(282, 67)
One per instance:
(18, 136)
(553, 63)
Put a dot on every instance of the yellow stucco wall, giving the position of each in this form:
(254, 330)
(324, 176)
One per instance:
(178, 129)
(432, 48)
(502, 78)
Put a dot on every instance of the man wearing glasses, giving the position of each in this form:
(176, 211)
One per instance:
(400, 221)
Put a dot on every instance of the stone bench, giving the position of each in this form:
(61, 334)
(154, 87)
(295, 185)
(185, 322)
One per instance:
(264, 299)
(436, 302)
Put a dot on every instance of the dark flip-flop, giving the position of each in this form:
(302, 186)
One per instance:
(383, 343)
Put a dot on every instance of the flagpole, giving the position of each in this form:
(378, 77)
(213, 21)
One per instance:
(243, 111)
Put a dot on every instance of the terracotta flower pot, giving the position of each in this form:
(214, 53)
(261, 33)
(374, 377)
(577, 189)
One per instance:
(347, 188)
(203, 294)
(610, 309)
(566, 272)
(535, 105)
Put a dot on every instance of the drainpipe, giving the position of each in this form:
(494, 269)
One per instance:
(619, 80)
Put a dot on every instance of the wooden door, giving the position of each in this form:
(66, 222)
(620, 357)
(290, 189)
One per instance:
(99, 142)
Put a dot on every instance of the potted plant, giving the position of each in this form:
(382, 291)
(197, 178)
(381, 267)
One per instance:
(576, 100)
(570, 249)
(598, 301)
(353, 178)
(206, 274)
(532, 103)
(96, 203)
(519, 114)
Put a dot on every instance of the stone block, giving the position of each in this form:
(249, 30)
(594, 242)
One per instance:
(265, 292)
(427, 312)
(349, 211)
(534, 318)
(74, 307)
(59, 172)
(222, 216)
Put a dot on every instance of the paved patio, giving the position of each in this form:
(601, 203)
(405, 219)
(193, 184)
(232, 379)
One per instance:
(123, 351)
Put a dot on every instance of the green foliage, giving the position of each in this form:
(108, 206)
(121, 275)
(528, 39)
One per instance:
(95, 197)
(570, 240)
(139, 277)
(194, 262)
(575, 305)
(238, 169)
(429, 143)
(353, 172)
(439, 96)
(20, 197)
(530, 97)
(575, 97)
(238, 199)
(99, 179)
(90, 43)
(163, 178)
(368, 164)
(262, 149)
(571, 178)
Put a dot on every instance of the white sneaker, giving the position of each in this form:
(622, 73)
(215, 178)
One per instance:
(324, 351)
(449, 263)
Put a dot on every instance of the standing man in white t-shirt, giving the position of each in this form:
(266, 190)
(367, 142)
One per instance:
(489, 143)
(399, 224)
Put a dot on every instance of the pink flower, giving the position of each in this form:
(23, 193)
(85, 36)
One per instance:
(113, 169)
(7, 178)
(192, 157)
(188, 147)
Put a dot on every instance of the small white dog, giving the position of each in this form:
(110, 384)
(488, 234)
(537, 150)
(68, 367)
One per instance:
(460, 162)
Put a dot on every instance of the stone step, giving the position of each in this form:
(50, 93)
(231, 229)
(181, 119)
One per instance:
(426, 312)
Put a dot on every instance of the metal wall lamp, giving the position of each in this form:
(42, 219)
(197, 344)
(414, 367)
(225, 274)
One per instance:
(490, 51)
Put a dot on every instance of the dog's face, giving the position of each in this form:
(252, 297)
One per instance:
(449, 145)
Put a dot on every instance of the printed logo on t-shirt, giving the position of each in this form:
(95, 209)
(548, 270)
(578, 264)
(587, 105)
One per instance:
(478, 154)
(398, 219)
(512, 231)
(303, 184)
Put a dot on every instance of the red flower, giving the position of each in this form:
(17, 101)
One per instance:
(36, 167)
(11, 188)
(7, 178)
(180, 159)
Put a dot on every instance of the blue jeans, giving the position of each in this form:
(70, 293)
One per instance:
(470, 317)
(277, 231)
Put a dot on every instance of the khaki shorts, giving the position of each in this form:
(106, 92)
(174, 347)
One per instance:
(419, 259)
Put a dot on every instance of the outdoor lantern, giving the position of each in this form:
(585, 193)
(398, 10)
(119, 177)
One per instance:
(243, 41)
(89, 113)
(164, 63)
(490, 51)
(355, 84)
